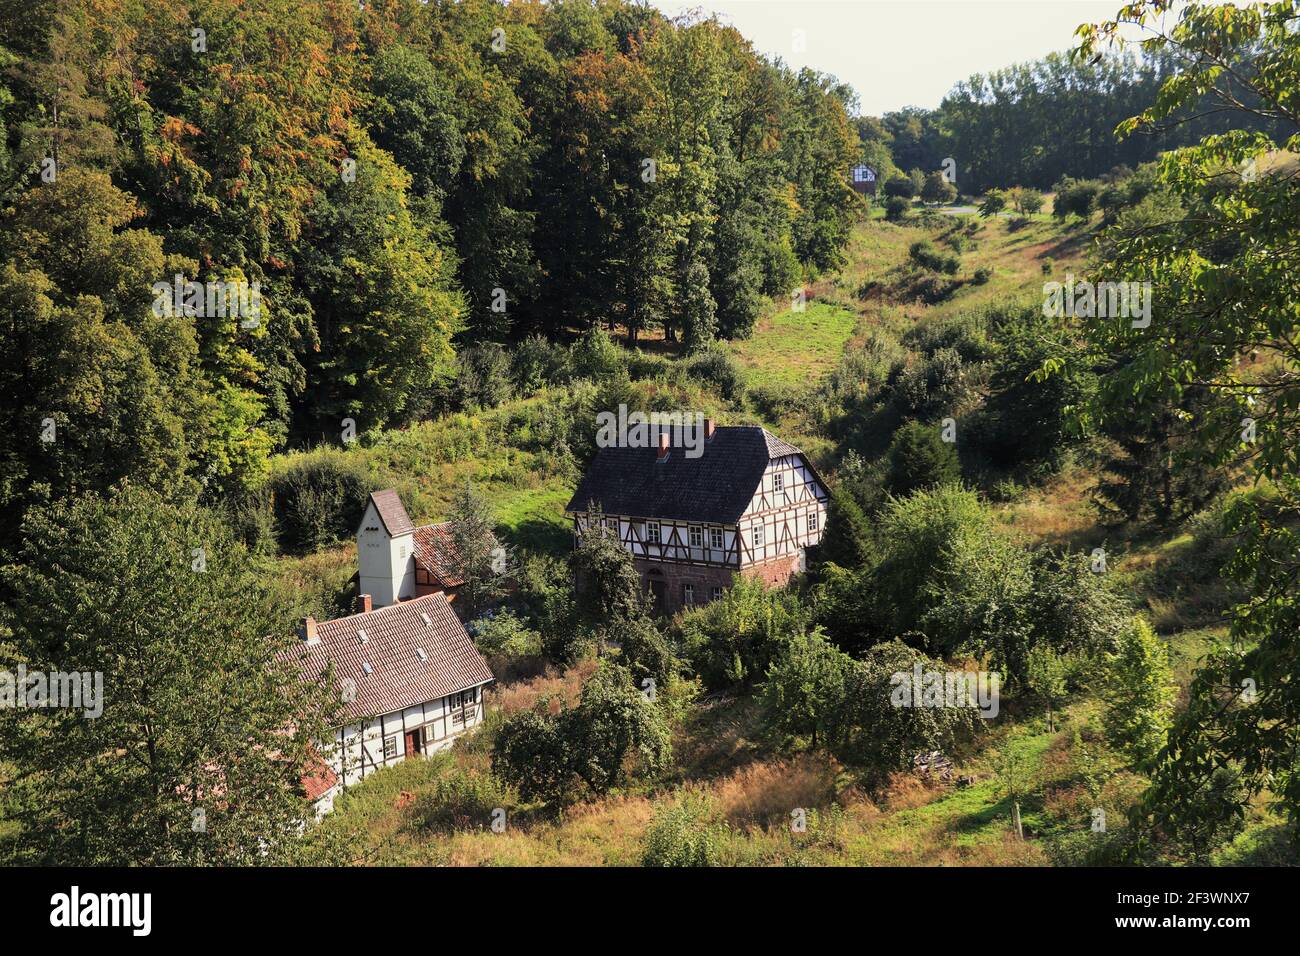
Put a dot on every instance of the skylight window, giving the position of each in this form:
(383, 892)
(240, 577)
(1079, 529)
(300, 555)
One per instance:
(362, 635)
(419, 652)
(425, 618)
(366, 668)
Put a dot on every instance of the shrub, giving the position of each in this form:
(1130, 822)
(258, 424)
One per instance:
(982, 275)
(926, 255)
(995, 200)
(536, 363)
(933, 289)
(683, 834)
(613, 732)
(318, 499)
(1076, 197)
(873, 733)
(896, 207)
(644, 650)
(718, 369)
(918, 457)
(252, 518)
(936, 188)
(735, 640)
(899, 186)
(595, 356)
(459, 800)
(804, 689)
(501, 632)
(483, 375)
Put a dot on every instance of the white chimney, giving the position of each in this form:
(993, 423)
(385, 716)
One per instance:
(307, 631)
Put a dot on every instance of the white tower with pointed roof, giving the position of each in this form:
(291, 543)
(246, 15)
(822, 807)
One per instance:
(386, 550)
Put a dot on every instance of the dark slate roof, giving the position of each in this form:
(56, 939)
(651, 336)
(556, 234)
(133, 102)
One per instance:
(398, 678)
(715, 487)
(391, 512)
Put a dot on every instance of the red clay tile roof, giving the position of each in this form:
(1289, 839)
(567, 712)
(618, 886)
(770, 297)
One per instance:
(391, 512)
(318, 778)
(434, 548)
(398, 678)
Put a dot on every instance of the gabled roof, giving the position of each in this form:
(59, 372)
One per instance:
(435, 553)
(386, 668)
(715, 487)
(391, 512)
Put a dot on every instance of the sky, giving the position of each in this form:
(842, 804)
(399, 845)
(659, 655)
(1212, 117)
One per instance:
(898, 53)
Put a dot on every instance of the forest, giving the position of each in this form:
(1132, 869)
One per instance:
(445, 236)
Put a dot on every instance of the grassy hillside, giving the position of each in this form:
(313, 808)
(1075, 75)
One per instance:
(748, 790)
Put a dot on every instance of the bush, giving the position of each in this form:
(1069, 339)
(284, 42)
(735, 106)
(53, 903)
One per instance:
(595, 356)
(874, 734)
(804, 690)
(936, 188)
(502, 633)
(926, 255)
(718, 369)
(896, 207)
(933, 289)
(460, 800)
(612, 733)
(483, 375)
(251, 517)
(683, 834)
(995, 200)
(537, 363)
(899, 186)
(918, 457)
(318, 499)
(982, 275)
(1076, 197)
(735, 640)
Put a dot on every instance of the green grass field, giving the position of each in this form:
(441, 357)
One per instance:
(794, 348)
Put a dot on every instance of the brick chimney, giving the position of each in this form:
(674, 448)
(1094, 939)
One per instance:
(364, 603)
(307, 631)
(710, 426)
(663, 446)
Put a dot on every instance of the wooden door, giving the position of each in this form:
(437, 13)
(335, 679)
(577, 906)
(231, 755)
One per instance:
(412, 743)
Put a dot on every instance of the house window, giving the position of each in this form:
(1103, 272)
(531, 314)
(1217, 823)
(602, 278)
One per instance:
(652, 532)
(758, 536)
(778, 482)
(612, 524)
(697, 537)
(715, 594)
(390, 747)
(715, 538)
(812, 521)
(688, 593)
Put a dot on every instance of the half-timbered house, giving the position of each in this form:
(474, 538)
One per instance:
(411, 681)
(864, 179)
(749, 504)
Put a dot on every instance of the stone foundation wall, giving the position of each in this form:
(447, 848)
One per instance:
(665, 579)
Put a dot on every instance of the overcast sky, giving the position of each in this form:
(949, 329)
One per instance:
(899, 53)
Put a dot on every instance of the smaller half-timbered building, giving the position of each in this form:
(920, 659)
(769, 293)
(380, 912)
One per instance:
(749, 504)
(411, 681)
(397, 559)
